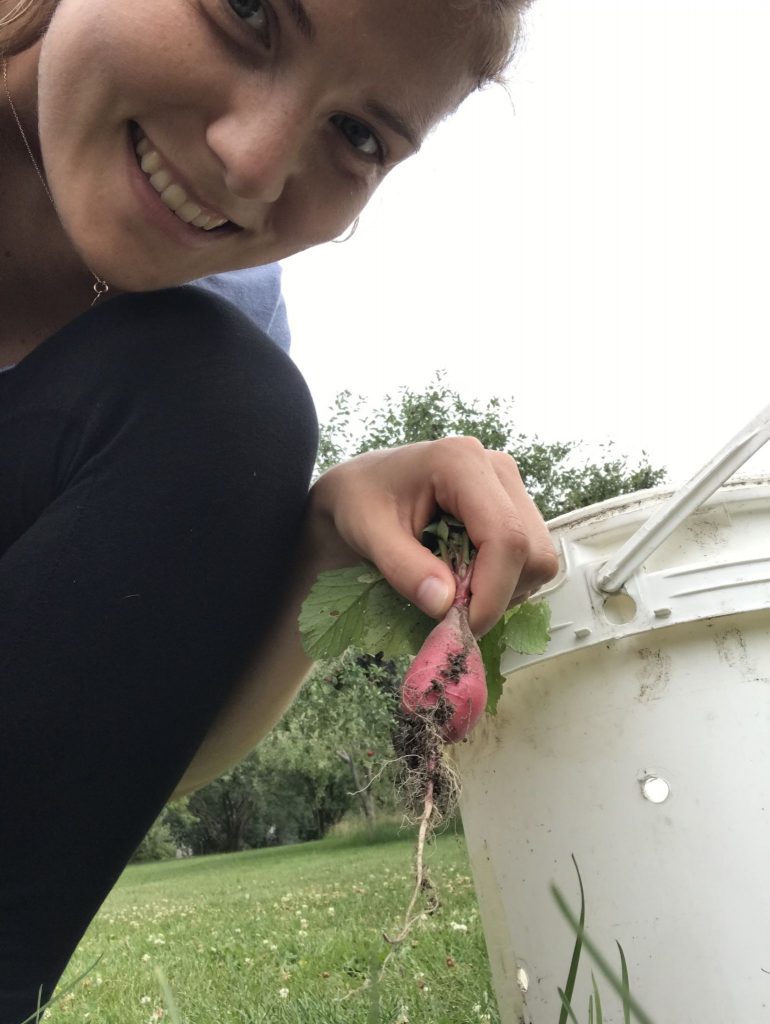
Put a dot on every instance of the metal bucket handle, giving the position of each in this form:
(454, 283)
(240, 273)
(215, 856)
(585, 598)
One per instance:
(614, 573)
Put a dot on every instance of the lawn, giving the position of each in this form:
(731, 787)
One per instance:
(285, 935)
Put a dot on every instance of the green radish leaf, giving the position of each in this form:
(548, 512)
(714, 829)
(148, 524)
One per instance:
(357, 607)
(492, 645)
(527, 626)
(391, 624)
(332, 616)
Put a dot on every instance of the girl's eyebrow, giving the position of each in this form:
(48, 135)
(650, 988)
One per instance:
(301, 18)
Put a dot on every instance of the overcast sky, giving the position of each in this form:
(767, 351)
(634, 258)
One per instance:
(593, 245)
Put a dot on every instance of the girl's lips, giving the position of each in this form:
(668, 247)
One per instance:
(157, 211)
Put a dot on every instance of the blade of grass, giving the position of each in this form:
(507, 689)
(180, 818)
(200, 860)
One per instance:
(601, 963)
(599, 1019)
(35, 1017)
(567, 1008)
(626, 986)
(168, 997)
(569, 988)
(590, 1010)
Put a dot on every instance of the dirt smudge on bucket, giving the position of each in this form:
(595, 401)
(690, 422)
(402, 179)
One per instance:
(733, 652)
(654, 673)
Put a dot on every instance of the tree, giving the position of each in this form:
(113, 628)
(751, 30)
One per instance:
(552, 473)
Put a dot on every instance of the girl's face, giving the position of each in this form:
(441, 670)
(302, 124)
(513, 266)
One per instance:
(280, 117)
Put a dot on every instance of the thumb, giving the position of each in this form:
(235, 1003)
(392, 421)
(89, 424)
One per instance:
(415, 572)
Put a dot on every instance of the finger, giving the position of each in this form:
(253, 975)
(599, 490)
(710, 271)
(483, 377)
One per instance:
(474, 492)
(411, 568)
(542, 560)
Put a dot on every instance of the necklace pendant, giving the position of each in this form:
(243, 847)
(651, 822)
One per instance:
(100, 288)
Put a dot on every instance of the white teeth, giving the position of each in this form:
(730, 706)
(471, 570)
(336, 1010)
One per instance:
(151, 162)
(160, 180)
(172, 194)
(174, 197)
(189, 212)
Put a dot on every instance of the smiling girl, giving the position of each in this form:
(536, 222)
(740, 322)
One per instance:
(157, 534)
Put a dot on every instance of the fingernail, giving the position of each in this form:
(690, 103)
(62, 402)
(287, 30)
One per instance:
(433, 595)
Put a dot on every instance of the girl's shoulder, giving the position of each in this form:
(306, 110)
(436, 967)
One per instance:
(256, 291)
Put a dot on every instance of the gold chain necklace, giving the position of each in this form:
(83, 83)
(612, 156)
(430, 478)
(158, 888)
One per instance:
(100, 286)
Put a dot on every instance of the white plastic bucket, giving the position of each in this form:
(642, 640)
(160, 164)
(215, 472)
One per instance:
(660, 690)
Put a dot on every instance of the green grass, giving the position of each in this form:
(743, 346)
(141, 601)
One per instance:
(621, 985)
(285, 935)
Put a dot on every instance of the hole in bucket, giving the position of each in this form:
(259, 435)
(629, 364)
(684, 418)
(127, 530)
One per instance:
(655, 789)
(619, 608)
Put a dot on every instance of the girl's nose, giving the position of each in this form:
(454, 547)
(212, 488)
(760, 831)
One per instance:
(261, 144)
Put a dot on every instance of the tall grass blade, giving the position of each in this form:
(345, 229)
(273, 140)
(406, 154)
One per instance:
(597, 1000)
(566, 1007)
(626, 986)
(573, 967)
(590, 1010)
(168, 998)
(35, 1017)
(637, 1010)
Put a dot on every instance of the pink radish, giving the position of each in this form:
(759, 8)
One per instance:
(443, 695)
(446, 681)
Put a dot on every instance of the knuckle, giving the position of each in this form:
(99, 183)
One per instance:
(503, 458)
(547, 566)
(516, 540)
(462, 443)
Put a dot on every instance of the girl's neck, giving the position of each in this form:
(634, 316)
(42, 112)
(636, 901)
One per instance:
(43, 282)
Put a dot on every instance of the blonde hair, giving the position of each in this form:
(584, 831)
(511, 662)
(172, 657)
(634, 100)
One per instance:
(25, 21)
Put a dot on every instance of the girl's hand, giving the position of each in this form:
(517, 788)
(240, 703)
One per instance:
(376, 506)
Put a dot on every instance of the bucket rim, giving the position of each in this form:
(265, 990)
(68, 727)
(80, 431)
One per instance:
(639, 499)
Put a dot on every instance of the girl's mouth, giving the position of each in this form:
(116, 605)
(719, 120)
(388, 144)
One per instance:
(177, 197)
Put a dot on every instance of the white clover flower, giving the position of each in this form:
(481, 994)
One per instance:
(145, 1000)
(283, 992)
(458, 927)
(331, 911)
(146, 958)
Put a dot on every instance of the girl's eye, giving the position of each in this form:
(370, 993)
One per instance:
(253, 12)
(358, 135)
